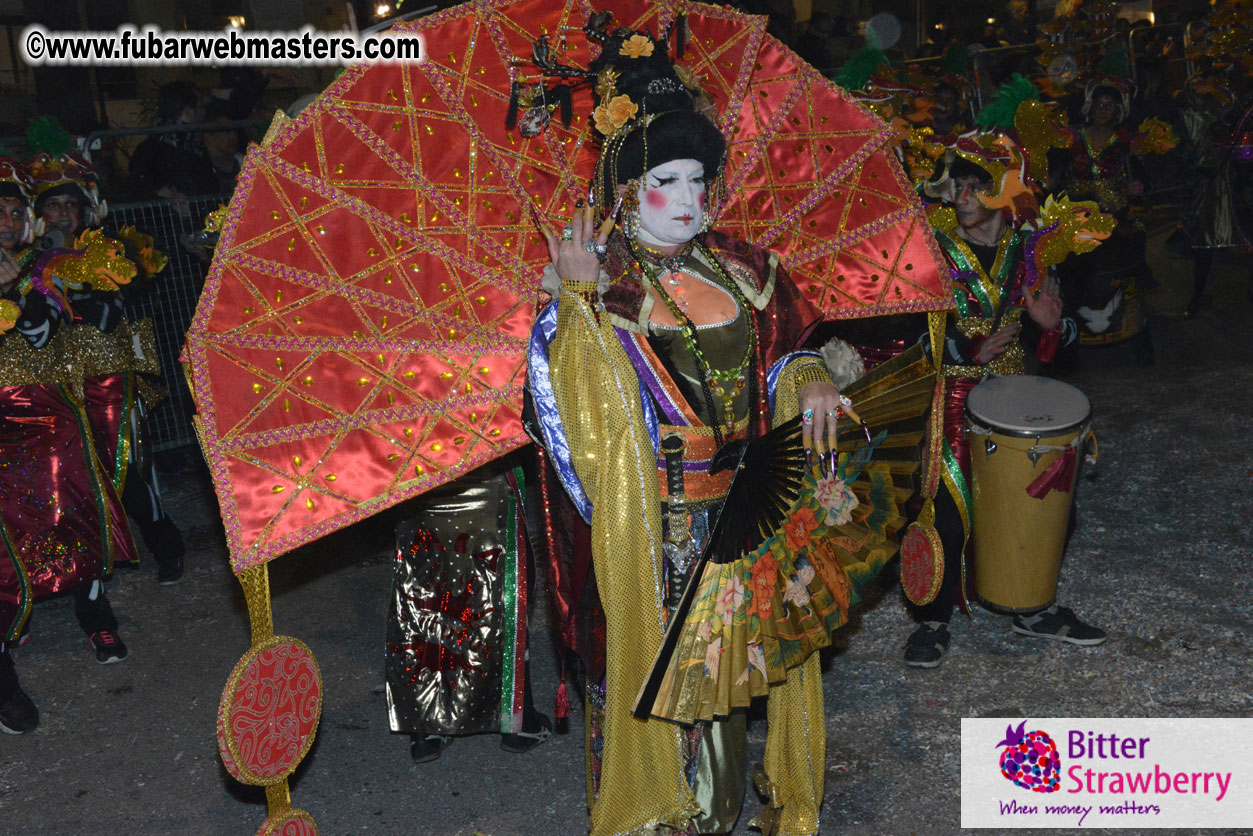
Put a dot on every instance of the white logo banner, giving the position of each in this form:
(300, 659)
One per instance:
(1135, 773)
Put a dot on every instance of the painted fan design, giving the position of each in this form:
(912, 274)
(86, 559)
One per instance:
(360, 338)
(757, 606)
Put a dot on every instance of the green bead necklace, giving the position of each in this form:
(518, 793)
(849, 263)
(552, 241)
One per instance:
(723, 384)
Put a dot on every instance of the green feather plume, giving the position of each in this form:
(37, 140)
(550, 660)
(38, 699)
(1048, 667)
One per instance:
(999, 113)
(860, 67)
(44, 133)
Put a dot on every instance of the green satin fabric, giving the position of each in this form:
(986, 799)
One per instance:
(721, 774)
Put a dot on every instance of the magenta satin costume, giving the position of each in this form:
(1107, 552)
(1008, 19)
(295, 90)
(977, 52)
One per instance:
(63, 525)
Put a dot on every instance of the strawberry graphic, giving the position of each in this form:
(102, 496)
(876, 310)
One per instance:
(1030, 759)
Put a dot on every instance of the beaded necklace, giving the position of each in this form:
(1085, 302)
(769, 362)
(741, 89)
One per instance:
(673, 265)
(721, 383)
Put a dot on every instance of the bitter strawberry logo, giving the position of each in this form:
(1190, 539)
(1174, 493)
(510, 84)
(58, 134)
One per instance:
(1030, 759)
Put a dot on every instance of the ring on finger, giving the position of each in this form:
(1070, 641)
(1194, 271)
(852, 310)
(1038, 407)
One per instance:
(807, 416)
(567, 234)
(589, 245)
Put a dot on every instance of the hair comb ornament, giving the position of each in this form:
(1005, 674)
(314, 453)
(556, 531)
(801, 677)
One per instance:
(539, 101)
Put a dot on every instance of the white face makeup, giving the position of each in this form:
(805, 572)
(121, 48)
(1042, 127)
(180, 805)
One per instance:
(672, 203)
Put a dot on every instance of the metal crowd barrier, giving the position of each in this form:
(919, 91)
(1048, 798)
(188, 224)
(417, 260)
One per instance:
(172, 305)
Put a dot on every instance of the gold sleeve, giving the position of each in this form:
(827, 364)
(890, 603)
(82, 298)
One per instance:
(597, 395)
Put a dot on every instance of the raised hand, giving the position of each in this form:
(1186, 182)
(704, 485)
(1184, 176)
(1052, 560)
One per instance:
(1046, 308)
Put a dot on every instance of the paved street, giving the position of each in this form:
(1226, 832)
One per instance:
(1160, 558)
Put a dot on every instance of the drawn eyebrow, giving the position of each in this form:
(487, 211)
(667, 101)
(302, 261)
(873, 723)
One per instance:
(670, 177)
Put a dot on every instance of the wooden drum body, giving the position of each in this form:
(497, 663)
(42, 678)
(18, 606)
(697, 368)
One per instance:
(1025, 434)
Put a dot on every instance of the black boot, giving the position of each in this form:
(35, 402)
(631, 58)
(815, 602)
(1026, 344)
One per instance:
(18, 714)
(160, 535)
(427, 747)
(536, 728)
(165, 542)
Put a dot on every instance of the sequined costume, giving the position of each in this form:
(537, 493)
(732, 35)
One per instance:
(988, 283)
(606, 387)
(112, 350)
(1104, 286)
(63, 526)
(457, 622)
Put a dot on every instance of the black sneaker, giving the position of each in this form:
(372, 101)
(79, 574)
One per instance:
(926, 646)
(525, 741)
(108, 647)
(169, 570)
(427, 747)
(18, 714)
(1059, 623)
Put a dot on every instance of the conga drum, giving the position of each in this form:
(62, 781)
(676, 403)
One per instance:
(1026, 432)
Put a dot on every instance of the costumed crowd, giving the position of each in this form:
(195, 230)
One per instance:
(721, 463)
(74, 463)
(669, 344)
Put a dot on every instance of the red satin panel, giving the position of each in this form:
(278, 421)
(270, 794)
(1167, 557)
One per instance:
(107, 401)
(956, 390)
(52, 496)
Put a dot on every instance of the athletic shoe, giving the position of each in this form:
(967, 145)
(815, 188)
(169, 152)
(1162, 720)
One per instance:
(108, 647)
(1059, 623)
(925, 647)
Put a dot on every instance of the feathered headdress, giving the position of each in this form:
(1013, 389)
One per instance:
(1035, 125)
(1012, 188)
(54, 169)
(1119, 86)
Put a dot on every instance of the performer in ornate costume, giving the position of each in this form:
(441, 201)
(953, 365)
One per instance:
(1105, 286)
(123, 356)
(846, 224)
(666, 333)
(1216, 112)
(63, 526)
(1009, 312)
(457, 632)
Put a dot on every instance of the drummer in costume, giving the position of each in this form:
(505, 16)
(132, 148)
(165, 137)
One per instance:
(999, 245)
(123, 355)
(62, 524)
(662, 322)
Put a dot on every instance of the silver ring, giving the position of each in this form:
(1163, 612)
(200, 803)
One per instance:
(835, 413)
(589, 245)
(602, 249)
(567, 234)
